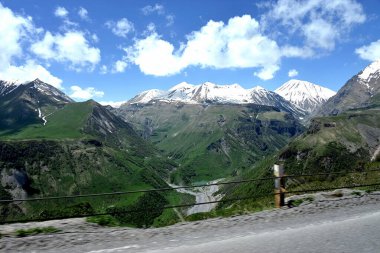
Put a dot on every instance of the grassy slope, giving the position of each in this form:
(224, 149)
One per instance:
(212, 141)
(65, 123)
(60, 159)
(331, 144)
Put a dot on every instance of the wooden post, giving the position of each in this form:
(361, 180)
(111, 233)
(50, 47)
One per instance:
(279, 185)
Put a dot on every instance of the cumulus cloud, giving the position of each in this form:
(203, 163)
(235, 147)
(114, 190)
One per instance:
(103, 69)
(16, 30)
(29, 72)
(369, 52)
(71, 47)
(299, 52)
(112, 103)
(120, 66)
(320, 23)
(154, 56)
(85, 94)
(157, 8)
(243, 42)
(293, 73)
(121, 27)
(237, 44)
(61, 12)
(83, 13)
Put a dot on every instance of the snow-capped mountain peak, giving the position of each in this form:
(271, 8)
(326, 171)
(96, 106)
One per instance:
(371, 71)
(210, 92)
(7, 86)
(369, 75)
(305, 95)
(213, 93)
(146, 96)
(182, 86)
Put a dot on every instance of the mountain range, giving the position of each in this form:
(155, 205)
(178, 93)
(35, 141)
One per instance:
(344, 136)
(51, 145)
(295, 96)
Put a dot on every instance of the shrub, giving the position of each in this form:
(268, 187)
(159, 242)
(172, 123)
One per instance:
(34, 231)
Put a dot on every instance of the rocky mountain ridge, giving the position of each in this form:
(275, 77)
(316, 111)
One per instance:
(362, 90)
(210, 93)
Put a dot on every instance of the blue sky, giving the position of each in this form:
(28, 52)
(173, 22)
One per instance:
(112, 50)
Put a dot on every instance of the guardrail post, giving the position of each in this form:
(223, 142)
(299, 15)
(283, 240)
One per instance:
(279, 185)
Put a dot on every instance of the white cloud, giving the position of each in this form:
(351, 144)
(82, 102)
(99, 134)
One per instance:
(121, 28)
(71, 47)
(149, 9)
(293, 73)
(267, 72)
(95, 38)
(120, 66)
(112, 103)
(369, 52)
(29, 72)
(169, 20)
(85, 94)
(320, 23)
(14, 29)
(292, 51)
(103, 69)
(237, 44)
(320, 34)
(154, 56)
(150, 28)
(83, 13)
(61, 12)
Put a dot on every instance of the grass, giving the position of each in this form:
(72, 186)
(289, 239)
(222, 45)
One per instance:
(65, 123)
(356, 193)
(214, 141)
(35, 231)
(104, 220)
(298, 202)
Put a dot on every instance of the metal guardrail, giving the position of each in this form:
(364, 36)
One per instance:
(279, 194)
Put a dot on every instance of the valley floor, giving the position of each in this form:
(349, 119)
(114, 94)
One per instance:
(334, 219)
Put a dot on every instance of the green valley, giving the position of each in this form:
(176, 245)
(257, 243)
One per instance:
(213, 140)
(77, 148)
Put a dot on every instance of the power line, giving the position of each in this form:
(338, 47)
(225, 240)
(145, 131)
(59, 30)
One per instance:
(126, 211)
(176, 188)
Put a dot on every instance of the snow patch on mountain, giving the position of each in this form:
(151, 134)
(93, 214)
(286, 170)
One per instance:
(210, 92)
(213, 93)
(372, 71)
(305, 95)
(7, 86)
(146, 96)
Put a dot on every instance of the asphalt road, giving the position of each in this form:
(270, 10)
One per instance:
(355, 234)
(348, 224)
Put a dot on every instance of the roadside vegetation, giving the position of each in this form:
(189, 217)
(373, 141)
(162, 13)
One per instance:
(35, 231)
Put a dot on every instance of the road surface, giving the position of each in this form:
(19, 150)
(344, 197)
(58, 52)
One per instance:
(347, 225)
(356, 234)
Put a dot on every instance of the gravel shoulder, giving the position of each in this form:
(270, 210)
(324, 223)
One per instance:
(77, 235)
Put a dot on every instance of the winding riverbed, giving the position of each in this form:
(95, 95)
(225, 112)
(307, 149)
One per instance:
(202, 194)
